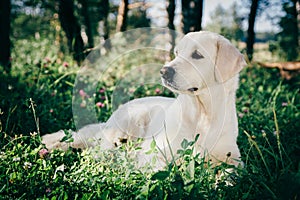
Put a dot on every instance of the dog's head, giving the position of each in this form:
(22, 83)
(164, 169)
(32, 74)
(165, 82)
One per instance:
(202, 59)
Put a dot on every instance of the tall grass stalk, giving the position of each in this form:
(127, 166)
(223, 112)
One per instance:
(278, 137)
(36, 120)
(254, 143)
(10, 111)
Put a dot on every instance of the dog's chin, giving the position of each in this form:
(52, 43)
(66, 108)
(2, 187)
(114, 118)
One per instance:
(174, 88)
(170, 86)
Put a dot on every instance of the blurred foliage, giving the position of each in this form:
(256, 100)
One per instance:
(227, 22)
(40, 73)
(36, 73)
(137, 19)
(286, 44)
(27, 13)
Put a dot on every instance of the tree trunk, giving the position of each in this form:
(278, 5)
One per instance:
(122, 16)
(87, 23)
(5, 8)
(298, 20)
(171, 15)
(107, 43)
(295, 33)
(198, 14)
(192, 11)
(71, 27)
(250, 31)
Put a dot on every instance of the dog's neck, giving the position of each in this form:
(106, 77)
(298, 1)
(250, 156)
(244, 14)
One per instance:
(217, 102)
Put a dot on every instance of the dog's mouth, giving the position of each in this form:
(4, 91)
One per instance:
(193, 89)
(170, 85)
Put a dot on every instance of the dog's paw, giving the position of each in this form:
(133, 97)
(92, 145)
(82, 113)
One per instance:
(53, 140)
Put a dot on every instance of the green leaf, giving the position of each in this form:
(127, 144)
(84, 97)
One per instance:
(178, 182)
(153, 144)
(188, 152)
(68, 138)
(184, 144)
(180, 151)
(161, 175)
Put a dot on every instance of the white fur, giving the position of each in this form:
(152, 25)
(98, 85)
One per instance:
(205, 105)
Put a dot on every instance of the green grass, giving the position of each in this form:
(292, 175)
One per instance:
(37, 99)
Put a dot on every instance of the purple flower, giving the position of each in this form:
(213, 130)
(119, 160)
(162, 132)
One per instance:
(102, 90)
(48, 190)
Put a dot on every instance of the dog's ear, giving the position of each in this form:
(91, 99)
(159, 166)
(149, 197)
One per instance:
(229, 61)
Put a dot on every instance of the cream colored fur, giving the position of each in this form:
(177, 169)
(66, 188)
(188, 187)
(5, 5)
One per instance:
(205, 77)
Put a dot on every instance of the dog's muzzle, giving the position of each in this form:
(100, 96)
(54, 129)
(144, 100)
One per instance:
(167, 73)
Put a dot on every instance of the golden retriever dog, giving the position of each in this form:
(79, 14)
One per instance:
(204, 74)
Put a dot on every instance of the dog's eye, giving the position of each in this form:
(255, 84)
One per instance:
(197, 55)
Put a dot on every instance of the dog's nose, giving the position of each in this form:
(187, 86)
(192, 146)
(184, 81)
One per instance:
(167, 73)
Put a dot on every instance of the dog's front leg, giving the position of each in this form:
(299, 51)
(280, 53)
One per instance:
(85, 137)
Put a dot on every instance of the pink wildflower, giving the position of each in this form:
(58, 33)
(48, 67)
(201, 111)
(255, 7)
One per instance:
(47, 60)
(51, 110)
(82, 93)
(284, 104)
(157, 91)
(43, 153)
(65, 64)
(132, 90)
(100, 105)
(102, 90)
